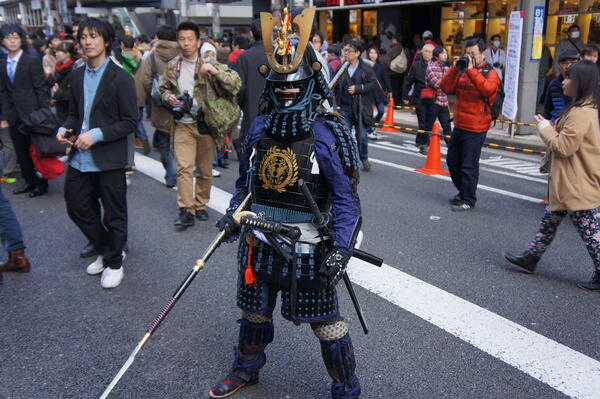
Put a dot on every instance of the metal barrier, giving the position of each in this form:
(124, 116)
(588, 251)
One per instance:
(414, 131)
(508, 122)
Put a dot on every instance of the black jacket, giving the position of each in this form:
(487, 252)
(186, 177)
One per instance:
(416, 75)
(362, 100)
(384, 82)
(27, 92)
(253, 83)
(62, 95)
(114, 110)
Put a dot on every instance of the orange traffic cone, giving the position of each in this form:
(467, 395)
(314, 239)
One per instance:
(389, 118)
(433, 163)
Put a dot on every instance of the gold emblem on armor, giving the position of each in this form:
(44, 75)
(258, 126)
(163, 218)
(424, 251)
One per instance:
(278, 169)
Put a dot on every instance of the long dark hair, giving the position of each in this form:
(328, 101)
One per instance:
(376, 51)
(584, 85)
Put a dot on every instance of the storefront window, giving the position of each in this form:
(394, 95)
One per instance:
(461, 20)
(369, 23)
(562, 14)
(354, 27)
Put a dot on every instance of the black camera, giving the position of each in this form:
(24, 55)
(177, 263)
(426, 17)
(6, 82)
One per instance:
(186, 106)
(462, 63)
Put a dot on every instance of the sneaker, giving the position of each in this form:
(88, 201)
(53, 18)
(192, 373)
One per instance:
(463, 207)
(456, 200)
(593, 284)
(373, 136)
(216, 173)
(111, 278)
(423, 149)
(527, 261)
(97, 266)
(366, 165)
(185, 219)
(202, 215)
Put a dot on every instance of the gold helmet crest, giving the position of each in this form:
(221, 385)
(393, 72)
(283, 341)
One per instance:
(290, 57)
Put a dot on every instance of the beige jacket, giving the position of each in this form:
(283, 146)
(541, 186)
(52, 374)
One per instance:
(226, 83)
(574, 182)
(163, 52)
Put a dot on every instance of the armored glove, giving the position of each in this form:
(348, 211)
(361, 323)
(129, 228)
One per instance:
(231, 228)
(334, 265)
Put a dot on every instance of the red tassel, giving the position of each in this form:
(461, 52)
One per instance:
(249, 277)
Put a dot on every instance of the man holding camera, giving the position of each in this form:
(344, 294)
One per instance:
(475, 83)
(186, 83)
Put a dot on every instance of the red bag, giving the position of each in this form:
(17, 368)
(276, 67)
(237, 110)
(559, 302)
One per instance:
(427, 95)
(46, 167)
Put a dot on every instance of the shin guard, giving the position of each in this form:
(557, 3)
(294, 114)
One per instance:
(338, 356)
(254, 337)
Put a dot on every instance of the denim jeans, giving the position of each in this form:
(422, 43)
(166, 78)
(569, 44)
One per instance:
(10, 229)
(380, 112)
(361, 133)
(140, 131)
(161, 140)
(442, 114)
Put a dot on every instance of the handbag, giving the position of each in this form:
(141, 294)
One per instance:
(155, 91)
(399, 63)
(427, 96)
(46, 167)
(47, 146)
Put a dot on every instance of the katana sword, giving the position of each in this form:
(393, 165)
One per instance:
(238, 214)
(321, 223)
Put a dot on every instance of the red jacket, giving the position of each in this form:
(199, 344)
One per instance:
(471, 112)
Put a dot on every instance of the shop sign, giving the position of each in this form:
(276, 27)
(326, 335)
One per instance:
(326, 3)
(538, 33)
(353, 2)
(513, 58)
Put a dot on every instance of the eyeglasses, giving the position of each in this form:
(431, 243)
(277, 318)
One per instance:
(348, 50)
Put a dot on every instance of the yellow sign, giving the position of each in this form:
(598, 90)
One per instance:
(278, 169)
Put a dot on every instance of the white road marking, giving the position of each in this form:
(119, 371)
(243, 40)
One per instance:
(548, 361)
(525, 169)
(479, 186)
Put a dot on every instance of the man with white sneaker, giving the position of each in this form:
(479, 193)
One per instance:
(102, 113)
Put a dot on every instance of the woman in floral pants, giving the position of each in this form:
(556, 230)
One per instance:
(574, 183)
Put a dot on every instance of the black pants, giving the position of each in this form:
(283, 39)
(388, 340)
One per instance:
(396, 80)
(434, 112)
(22, 141)
(463, 155)
(84, 192)
(421, 138)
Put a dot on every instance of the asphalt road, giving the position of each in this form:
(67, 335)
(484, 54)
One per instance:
(62, 336)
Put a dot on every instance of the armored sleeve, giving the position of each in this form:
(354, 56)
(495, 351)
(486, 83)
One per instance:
(242, 185)
(345, 203)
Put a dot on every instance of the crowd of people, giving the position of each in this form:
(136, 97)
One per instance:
(174, 73)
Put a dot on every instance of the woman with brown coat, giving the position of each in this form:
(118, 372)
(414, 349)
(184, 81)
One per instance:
(574, 184)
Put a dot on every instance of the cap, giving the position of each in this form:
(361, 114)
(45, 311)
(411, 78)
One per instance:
(568, 55)
(427, 34)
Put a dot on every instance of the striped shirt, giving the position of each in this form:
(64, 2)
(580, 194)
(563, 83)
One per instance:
(433, 77)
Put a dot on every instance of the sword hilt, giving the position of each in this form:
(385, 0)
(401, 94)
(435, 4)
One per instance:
(291, 232)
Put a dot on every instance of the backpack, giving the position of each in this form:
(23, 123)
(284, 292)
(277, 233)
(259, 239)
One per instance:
(496, 108)
(154, 91)
(399, 63)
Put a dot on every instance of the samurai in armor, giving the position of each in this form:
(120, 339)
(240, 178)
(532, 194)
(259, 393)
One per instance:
(293, 139)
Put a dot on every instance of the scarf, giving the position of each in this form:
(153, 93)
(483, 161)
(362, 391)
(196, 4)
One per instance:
(64, 65)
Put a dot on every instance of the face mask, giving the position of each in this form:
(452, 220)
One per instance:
(574, 35)
(496, 43)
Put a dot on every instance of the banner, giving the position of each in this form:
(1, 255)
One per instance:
(538, 33)
(513, 59)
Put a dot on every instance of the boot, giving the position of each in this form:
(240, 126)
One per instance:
(17, 262)
(593, 284)
(527, 260)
